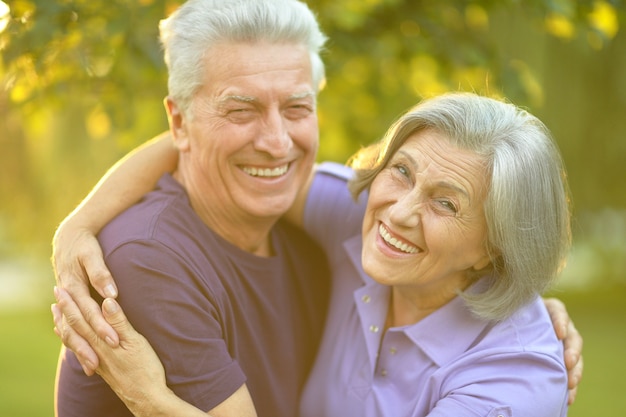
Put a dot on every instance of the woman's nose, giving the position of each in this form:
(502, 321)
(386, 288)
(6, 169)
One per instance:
(406, 211)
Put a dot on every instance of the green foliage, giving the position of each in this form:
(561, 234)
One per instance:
(82, 81)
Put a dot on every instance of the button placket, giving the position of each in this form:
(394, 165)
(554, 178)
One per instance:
(388, 353)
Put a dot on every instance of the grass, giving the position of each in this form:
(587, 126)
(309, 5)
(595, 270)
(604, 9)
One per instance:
(599, 316)
(29, 349)
(28, 356)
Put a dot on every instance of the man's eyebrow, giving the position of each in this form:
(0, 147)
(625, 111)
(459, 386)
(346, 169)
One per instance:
(252, 99)
(441, 184)
(239, 98)
(298, 96)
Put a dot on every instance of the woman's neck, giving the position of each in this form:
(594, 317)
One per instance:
(410, 305)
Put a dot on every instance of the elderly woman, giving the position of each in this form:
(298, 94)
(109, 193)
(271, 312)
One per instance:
(466, 223)
(460, 222)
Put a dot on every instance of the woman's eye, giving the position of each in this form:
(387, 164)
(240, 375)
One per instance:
(448, 205)
(402, 170)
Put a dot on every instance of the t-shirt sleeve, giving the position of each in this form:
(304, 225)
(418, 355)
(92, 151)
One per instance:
(331, 215)
(505, 384)
(166, 301)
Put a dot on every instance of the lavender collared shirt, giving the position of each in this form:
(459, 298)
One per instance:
(448, 364)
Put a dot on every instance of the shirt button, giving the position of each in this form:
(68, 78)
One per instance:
(393, 351)
(384, 373)
(374, 328)
(366, 298)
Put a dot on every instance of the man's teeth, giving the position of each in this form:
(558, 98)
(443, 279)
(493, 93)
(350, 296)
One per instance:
(395, 242)
(267, 172)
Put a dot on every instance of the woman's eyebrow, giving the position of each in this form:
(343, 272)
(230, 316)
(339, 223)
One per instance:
(440, 184)
(453, 187)
(409, 157)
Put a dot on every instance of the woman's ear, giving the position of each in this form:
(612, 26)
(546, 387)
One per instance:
(482, 263)
(178, 126)
(489, 254)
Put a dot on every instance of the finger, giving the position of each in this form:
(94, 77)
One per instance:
(74, 331)
(87, 360)
(573, 345)
(571, 396)
(99, 275)
(57, 317)
(575, 373)
(115, 316)
(558, 315)
(77, 260)
(90, 311)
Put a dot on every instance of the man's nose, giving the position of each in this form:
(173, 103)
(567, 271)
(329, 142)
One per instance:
(274, 137)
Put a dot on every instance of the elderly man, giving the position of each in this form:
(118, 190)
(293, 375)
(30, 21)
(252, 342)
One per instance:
(206, 271)
(232, 299)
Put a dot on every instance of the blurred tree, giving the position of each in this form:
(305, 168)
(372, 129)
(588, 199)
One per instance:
(82, 81)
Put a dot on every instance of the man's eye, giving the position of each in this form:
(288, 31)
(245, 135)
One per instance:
(298, 111)
(240, 114)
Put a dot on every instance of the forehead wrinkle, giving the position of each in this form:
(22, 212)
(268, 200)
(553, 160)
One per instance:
(440, 184)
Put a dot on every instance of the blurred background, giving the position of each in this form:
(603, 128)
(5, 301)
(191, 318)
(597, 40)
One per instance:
(82, 83)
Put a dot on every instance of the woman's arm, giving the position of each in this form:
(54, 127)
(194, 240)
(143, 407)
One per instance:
(134, 371)
(76, 254)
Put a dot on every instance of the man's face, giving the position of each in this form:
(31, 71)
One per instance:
(252, 137)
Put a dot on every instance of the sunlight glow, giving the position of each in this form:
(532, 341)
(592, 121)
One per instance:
(604, 19)
(476, 17)
(560, 26)
(5, 15)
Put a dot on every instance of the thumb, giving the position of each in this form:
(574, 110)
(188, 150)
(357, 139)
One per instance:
(116, 318)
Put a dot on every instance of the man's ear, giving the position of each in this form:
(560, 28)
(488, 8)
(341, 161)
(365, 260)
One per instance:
(177, 121)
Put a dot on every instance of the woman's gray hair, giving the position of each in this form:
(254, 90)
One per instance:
(194, 27)
(527, 203)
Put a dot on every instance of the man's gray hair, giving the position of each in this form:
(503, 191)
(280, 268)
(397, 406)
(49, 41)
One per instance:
(194, 27)
(527, 201)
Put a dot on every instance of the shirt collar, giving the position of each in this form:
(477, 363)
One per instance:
(462, 327)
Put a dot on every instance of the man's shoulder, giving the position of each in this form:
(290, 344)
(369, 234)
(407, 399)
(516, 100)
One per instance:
(160, 215)
(335, 170)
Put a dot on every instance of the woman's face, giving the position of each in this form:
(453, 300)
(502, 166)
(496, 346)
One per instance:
(424, 226)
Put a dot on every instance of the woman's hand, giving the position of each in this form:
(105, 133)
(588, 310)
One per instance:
(572, 343)
(132, 369)
(76, 254)
(77, 260)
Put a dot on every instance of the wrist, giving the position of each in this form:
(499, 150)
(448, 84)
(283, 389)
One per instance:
(160, 402)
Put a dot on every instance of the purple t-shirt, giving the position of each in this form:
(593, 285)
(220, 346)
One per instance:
(448, 364)
(217, 316)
